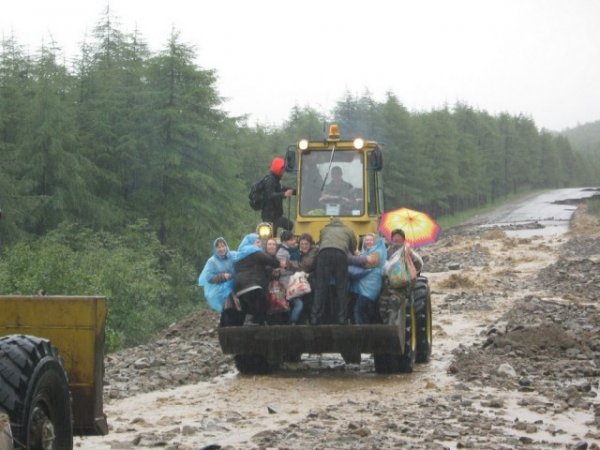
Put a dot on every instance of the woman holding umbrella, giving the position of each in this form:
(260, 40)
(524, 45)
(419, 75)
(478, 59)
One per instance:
(398, 242)
(392, 299)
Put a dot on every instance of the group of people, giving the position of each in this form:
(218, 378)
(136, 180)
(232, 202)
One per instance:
(237, 283)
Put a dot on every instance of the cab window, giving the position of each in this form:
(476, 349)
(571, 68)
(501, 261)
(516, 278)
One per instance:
(334, 189)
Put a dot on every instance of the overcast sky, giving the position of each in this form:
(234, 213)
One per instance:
(540, 58)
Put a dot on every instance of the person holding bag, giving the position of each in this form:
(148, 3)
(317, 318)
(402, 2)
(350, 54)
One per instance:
(401, 269)
(289, 256)
(277, 305)
(399, 242)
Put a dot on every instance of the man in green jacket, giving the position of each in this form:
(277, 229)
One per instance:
(335, 243)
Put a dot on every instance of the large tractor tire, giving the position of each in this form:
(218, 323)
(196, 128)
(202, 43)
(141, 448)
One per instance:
(35, 394)
(392, 363)
(351, 357)
(293, 357)
(422, 299)
(252, 364)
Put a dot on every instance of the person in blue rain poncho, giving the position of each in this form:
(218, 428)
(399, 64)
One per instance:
(218, 275)
(369, 284)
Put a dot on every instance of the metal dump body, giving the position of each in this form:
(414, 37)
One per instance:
(276, 341)
(75, 326)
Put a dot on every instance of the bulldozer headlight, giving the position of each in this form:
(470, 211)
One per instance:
(303, 144)
(358, 143)
(264, 230)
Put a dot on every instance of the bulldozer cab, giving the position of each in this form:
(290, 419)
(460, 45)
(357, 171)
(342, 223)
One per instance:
(336, 178)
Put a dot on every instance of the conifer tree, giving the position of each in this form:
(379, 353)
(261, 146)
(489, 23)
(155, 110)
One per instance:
(187, 162)
(473, 187)
(404, 167)
(56, 174)
(15, 90)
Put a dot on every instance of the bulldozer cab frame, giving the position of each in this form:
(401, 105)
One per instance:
(336, 178)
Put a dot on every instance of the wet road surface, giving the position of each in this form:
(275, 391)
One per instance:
(233, 410)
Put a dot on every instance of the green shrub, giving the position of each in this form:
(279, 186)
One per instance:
(131, 270)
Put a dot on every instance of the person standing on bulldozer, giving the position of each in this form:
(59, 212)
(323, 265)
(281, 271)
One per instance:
(272, 210)
(336, 241)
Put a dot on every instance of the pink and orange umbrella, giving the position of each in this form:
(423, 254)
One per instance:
(419, 228)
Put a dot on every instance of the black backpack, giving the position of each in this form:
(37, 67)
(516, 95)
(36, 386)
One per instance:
(256, 197)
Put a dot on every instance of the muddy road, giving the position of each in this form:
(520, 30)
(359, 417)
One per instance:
(515, 364)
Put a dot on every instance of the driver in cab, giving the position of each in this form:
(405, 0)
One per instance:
(337, 190)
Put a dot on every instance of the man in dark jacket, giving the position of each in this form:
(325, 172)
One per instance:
(250, 263)
(272, 210)
(336, 242)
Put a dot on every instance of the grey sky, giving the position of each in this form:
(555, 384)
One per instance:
(540, 58)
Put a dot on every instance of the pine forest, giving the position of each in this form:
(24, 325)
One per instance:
(119, 169)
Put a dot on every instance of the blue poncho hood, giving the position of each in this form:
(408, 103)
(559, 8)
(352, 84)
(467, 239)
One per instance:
(217, 293)
(370, 285)
(247, 247)
(378, 247)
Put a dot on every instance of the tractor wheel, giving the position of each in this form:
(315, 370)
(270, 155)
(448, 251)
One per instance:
(422, 298)
(392, 363)
(351, 357)
(293, 357)
(384, 362)
(35, 394)
(252, 364)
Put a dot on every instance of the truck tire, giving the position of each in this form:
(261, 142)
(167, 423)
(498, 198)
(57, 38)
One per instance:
(293, 357)
(422, 299)
(351, 357)
(34, 391)
(252, 364)
(392, 363)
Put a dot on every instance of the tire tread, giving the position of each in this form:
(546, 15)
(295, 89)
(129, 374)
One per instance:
(19, 357)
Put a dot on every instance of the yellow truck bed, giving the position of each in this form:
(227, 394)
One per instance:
(75, 326)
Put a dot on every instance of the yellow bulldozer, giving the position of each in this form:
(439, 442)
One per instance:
(51, 370)
(336, 178)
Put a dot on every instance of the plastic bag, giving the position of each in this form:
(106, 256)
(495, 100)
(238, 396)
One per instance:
(298, 285)
(276, 301)
(400, 269)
